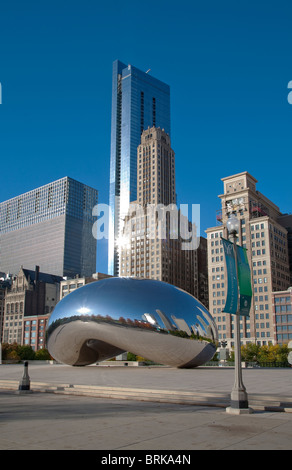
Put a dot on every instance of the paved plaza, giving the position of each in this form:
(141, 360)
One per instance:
(93, 421)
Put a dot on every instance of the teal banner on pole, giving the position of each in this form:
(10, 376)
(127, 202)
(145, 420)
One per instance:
(232, 292)
(240, 280)
(244, 280)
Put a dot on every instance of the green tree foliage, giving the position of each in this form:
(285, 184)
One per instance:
(25, 352)
(20, 353)
(250, 352)
(269, 353)
(9, 351)
(43, 355)
(131, 357)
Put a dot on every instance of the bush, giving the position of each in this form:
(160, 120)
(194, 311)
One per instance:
(43, 355)
(131, 357)
(141, 359)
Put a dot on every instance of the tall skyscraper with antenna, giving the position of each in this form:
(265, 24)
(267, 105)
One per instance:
(139, 101)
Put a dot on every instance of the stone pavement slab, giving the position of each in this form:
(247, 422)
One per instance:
(42, 421)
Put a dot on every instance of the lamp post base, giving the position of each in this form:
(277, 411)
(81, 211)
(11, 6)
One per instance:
(238, 411)
(239, 402)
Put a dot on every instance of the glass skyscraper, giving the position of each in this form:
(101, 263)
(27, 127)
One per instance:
(139, 101)
(50, 227)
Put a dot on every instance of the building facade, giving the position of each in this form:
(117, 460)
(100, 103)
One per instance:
(201, 273)
(5, 285)
(282, 309)
(138, 101)
(28, 305)
(267, 250)
(34, 331)
(51, 227)
(286, 221)
(147, 248)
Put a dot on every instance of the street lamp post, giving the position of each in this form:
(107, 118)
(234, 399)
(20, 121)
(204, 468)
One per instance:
(239, 397)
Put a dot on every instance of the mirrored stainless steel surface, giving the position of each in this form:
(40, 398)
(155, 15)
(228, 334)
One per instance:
(149, 318)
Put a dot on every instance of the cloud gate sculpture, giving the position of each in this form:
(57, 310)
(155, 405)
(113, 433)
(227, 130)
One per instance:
(149, 318)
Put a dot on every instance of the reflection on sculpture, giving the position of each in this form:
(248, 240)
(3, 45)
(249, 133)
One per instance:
(150, 318)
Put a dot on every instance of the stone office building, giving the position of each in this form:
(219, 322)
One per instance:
(147, 249)
(5, 285)
(266, 241)
(31, 298)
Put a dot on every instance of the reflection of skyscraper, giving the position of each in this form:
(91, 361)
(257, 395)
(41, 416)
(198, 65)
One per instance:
(138, 101)
(166, 321)
(181, 324)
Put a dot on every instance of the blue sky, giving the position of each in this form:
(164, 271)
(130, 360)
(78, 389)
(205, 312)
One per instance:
(228, 65)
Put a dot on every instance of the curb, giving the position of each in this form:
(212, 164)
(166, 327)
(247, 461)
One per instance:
(213, 399)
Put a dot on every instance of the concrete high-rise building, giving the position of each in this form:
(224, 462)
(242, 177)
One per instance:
(147, 248)
(51, 227)
(267, 250)
(138, 101)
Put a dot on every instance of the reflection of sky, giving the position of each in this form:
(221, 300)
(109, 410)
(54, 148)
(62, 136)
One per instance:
(129, 298)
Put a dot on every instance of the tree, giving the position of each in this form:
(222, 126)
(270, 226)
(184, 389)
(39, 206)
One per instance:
(25, 352)
(12, 354)
(268, 353)
(8, 349)
(282, 354)
(250, 352)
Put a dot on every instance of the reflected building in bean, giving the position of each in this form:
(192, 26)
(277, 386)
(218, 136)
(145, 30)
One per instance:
(150, 318)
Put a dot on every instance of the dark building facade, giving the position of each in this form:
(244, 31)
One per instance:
(51, 227)
(286, 221)
(31, 297)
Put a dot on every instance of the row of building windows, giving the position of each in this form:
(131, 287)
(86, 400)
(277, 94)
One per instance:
(283, 300)
(284, 318)
(259, 252)
(247, 335)
(282, 338)
(14, 308)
